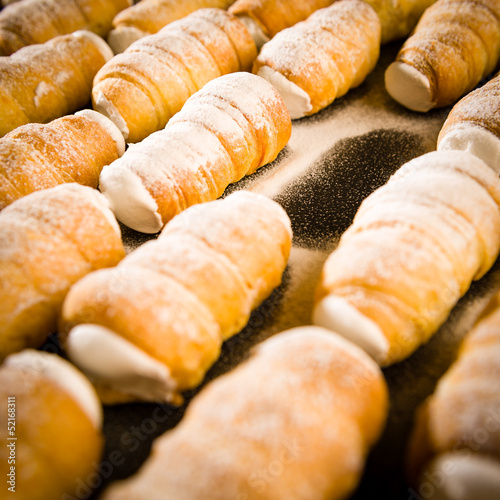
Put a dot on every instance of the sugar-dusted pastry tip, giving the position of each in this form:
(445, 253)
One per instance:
(129, 199)
(336, 314)
(462, 475)
(409, 87)
(65, 375)
(108, 109)
(108, 125)
(296, 99)
(249, 197)
(103, 205)
(474, 139)
(99, 42)
(122, 37)
(115, 363)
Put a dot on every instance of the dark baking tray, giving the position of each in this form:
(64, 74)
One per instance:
(332, 162)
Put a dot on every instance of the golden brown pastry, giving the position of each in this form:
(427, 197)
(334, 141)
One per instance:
(398, 17)
(474, 125)
(50, 438)
(234, 125)
(266, 18)
(411, 252)
(42, 82)
(151, 327)
(294, 421)
(150, 16)
(50, 239)
(320, 59)
(141, 89)
(70, 149)
(454, 449)
(455, 44)
(32, 21)
(272, 16)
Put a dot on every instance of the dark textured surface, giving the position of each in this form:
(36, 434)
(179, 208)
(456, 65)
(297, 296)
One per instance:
(321, 201)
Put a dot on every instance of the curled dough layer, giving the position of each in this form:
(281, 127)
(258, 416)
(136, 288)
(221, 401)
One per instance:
(56, 412)
(304, 409)
(145, 86)
(398, 17)
(70, 149)
(412, 251)
(273, 16)
(50, 239)
(455, 44)
(178, 298)
(234, 125)
(474, 124)
(42, 82)
(324, 56)
(150, 16)
(457, 430)
(31, 22)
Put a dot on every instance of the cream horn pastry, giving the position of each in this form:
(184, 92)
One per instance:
(234, 125)
(474, 125)
(150, 16)
(455, 44)
(307, 406)
(46, 81)
(50, 239)
(151, 327)
(320, 59)
(50, 438)
(33, 22)
(398, 17)
(456, 435)
(74, 148)
(265, 18)
(412, 251)
(142, 88)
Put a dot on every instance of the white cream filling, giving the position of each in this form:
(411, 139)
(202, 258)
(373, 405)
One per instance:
(65, 375)
(106, 124)
(462, 476)
(109, 110)
(476, 140)
(130, 201)
(258, 35)
(338, 315)
(122, 37)
(297, 100)
(99, 42)
(409, 87)
(111, 360)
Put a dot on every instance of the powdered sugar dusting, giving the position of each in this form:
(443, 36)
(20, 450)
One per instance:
(317, 421)
(330, 52)
(199, 154)
(333, 161)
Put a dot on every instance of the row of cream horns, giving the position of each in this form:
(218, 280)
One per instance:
(121, 23)
(232, 126)
(150, 327)
(311, 63)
